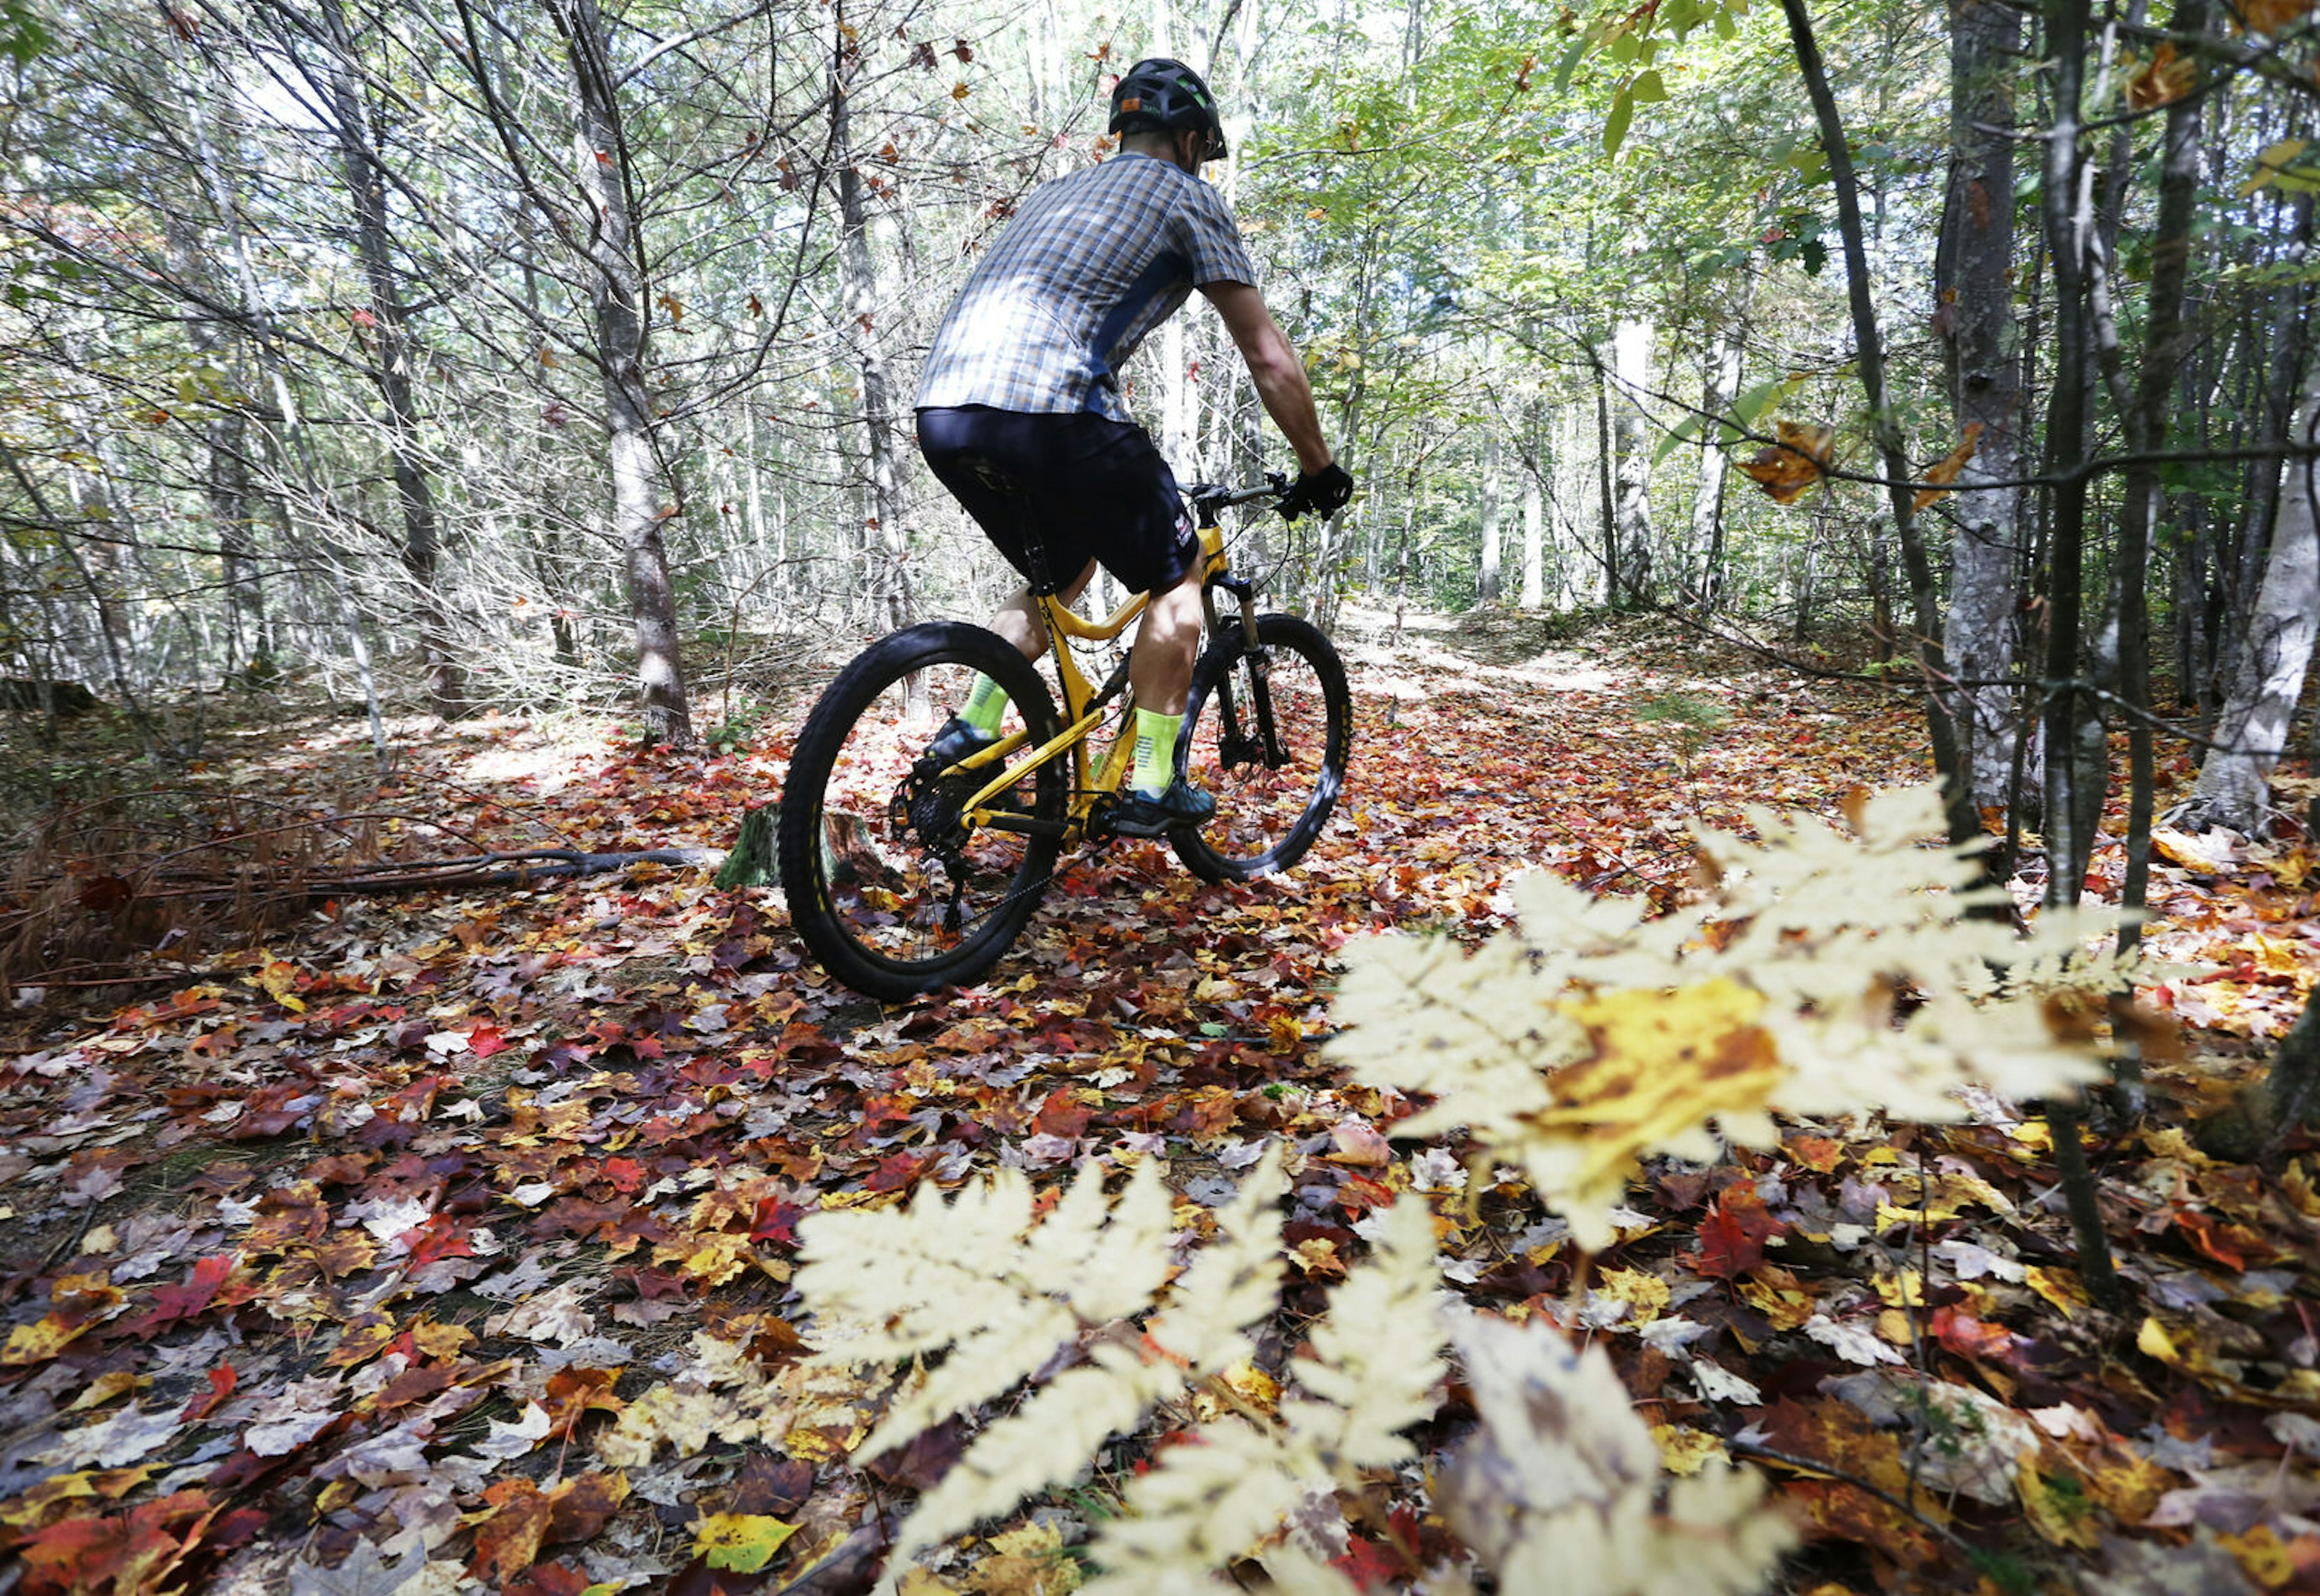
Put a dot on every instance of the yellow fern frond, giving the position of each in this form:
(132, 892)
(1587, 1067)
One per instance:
(1199, 1507)
(1376, 1353)
(1562, 1489)
(1048, 1441)
(1834, 973)
(1233, 1281)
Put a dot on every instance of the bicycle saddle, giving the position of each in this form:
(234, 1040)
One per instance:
(1000, 480)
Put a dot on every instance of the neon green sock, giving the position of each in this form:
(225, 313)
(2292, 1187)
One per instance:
(986, 705)
(1155, 752)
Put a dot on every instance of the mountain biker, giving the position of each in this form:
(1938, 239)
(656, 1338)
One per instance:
(1019, 413)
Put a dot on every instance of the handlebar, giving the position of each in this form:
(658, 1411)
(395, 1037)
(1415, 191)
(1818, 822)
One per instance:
(1209, 499)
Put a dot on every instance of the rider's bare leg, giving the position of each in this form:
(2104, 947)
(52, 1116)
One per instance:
(1019, 623)
(1160, 670)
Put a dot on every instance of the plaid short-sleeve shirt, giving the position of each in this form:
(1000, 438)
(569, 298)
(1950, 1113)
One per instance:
(1090, 264)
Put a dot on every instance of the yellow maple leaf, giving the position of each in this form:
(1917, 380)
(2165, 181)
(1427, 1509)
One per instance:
(1685, 1451)
(2269, 17)
(1664, 1063)
(2063, 1517)
(1644, 1296)
(2059, 1287)
(2162, 80)
(1779, 1295)
(1800, 459)
(1945, 470)
(741, 1543)
(112, 1484)
(40, 1340)
(279, 979)
(2263, 1555)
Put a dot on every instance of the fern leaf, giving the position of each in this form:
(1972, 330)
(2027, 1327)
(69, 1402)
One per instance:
(1373, 1366)
(914, 1278)
(1476, 1034)
(1560, 1491)
(1376, 1355)
(1201, 1505)
(1295, 1572)
(1232, 1282)
(1573, 935)
(1047, 1442)
(1110, 1269)
(1591, 1038)
(1018, 1337)
(964, 1275)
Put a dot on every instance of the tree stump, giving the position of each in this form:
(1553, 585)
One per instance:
(751, 862)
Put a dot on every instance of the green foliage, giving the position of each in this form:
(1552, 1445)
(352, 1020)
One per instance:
(23, 34)
(1693, 721)
(733, 733)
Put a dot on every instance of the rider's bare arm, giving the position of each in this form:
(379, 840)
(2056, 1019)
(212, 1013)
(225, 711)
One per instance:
(1274, 367)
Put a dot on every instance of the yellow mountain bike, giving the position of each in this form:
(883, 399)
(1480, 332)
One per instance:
(903, 875)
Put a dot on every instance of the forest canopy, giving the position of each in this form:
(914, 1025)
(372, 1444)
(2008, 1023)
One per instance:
(510, 357)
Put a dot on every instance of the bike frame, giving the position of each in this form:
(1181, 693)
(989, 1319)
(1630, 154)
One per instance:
(1084, 703)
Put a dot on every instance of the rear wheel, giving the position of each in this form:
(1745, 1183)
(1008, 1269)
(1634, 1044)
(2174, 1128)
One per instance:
(1268, 732)
(889, 886)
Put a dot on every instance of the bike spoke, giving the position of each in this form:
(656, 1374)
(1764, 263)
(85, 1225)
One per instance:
(1260, 749)
(907, 880)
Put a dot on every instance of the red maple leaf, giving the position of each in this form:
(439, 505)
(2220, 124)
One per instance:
(1731, 1236)
(1370, 1566)
(222, 1384)
(206, 1287)
(436, 1239)
(775, 1221)
(1969, 1337)
(895, 1171)
(1060, 1116)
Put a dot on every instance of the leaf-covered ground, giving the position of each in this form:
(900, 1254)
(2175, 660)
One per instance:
(334, 1268)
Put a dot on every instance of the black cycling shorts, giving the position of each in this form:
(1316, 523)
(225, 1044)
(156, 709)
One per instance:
(1082, 486)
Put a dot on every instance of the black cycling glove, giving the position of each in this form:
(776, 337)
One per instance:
(1318, 492)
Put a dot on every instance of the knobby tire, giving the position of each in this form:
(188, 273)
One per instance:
(1273, 754)
(870, 891)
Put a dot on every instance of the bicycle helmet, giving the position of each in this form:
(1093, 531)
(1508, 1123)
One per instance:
(1158, 94)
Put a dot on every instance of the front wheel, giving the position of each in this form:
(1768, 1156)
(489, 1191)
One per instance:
(1268, 732)
(889, 885)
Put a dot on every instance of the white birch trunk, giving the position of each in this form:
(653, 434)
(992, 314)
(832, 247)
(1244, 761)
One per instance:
(1631, 354)
(1486, 583)
(2252, 732)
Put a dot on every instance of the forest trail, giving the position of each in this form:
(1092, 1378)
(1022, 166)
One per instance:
(369, 1233)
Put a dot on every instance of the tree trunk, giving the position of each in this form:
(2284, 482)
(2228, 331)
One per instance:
(2251, 731)
(1534, 530)
(616, 282)
(1869, 344)
(1603, 486)
(391, 362)
(1974, 288)
(226, 471)
(2165, 344)
(1486, 582)
(883, 544)
(2077, 761)
(1631, 350)
(1719, 389)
